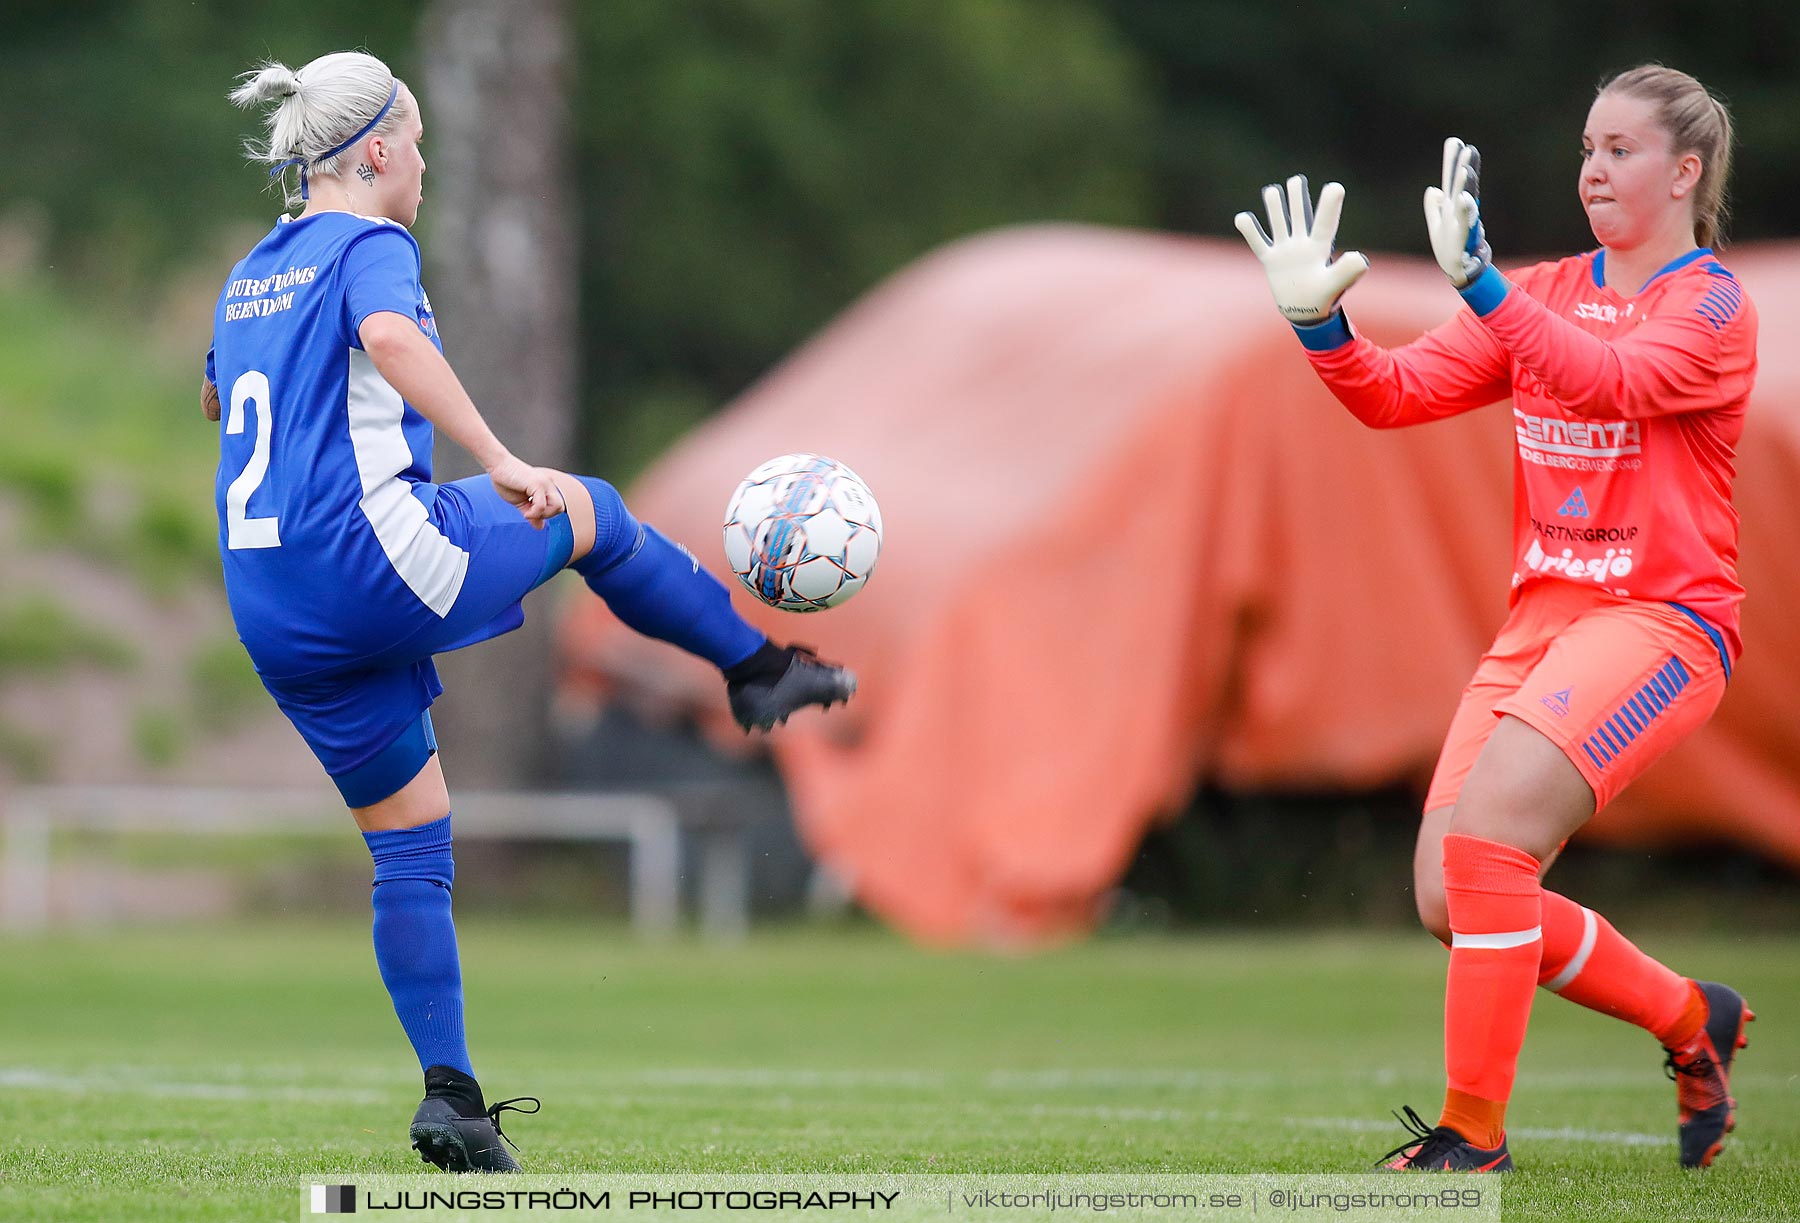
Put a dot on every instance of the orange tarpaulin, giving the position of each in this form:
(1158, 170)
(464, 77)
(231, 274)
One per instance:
(1131, 544)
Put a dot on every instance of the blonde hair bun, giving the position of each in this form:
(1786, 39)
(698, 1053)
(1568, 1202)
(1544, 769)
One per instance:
(265, 83)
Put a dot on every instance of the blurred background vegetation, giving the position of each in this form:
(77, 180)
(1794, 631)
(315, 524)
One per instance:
(745, 168)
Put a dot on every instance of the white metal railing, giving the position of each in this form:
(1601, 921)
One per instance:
(650, 824)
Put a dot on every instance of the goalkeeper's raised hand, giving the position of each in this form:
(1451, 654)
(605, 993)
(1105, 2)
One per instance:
(1453, 216)
(1306, 281)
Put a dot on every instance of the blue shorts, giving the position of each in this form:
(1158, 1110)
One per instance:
(368, 723)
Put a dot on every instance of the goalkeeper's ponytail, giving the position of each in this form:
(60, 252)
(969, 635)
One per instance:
(1697, 122)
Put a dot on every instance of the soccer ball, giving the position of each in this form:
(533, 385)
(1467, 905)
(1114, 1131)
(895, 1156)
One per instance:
(802, 533)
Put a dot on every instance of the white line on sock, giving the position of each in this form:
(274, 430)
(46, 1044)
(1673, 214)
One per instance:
(1496, 942)
(1590, 931)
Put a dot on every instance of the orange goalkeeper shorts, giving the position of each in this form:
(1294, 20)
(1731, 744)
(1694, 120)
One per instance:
(1613, 682)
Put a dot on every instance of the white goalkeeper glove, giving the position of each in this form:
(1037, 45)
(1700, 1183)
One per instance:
(1306, 281)
(1453, 216)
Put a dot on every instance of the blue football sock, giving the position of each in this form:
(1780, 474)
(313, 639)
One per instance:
(415, 940)
(657, 588)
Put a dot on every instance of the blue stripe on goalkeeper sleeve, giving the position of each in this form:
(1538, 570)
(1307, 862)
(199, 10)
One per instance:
(415, 940)
(1485, 293)
(657, 587)
(1334, 332)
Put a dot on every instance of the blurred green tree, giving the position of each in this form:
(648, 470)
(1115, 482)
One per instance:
(744, 168)
(1365, 93)
(747, 167)
(117, 128)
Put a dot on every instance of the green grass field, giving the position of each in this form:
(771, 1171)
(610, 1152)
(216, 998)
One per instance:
(198, 1074)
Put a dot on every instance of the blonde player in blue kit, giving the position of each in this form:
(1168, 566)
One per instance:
(347, 568)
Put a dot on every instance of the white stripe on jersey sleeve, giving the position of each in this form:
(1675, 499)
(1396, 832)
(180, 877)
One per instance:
(428, 563)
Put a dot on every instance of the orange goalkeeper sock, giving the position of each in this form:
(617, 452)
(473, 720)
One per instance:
(1588, 962)
(1495, 908)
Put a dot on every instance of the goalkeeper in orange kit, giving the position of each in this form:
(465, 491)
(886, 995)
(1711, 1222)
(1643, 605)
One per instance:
(1629, 368)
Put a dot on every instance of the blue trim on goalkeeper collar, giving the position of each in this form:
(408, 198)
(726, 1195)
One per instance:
(1485, 293)
(1333, 333)
(1674, 265)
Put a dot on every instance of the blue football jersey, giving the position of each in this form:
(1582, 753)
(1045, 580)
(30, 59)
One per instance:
(324, 483)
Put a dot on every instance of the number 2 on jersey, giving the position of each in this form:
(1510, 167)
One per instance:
(251, 387)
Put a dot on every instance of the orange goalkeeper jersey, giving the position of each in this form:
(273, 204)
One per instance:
(1626, 411)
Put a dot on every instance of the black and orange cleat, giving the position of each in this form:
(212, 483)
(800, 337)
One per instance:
(1701, 1069)
(1441, 1149)
(454, 1130)
(776, 681)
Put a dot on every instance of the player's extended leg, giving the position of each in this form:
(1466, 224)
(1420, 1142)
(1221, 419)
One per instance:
(1521, 800)
(369, 728)
(408, 834)
(1584, 959)
(1612, 691)
(657, 588)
